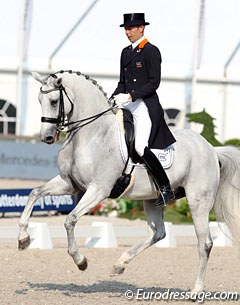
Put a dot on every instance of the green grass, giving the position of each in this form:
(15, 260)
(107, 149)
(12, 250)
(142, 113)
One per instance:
(133, 214)
(172, 215)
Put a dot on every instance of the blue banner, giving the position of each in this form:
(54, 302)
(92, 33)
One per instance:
(14, 200)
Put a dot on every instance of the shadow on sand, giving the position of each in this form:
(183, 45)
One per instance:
(116, 289)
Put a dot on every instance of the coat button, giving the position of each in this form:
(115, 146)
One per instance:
(125, 69)
(134, 80)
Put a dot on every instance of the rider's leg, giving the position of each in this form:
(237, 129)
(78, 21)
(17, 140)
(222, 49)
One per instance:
(143, 125)
(155, 167)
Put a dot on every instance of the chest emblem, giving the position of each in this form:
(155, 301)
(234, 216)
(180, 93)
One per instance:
(139, 64)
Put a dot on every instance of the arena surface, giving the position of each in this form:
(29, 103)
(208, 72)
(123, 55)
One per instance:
(49, 277)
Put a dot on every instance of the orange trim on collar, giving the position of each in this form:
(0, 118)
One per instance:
(142, 43)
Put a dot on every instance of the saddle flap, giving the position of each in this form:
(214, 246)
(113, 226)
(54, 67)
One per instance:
(129, 136)
(128, 126)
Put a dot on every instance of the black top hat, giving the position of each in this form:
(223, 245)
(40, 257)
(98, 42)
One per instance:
(133, 19)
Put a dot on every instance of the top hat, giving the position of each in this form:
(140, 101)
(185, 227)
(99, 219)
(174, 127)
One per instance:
(133, 19)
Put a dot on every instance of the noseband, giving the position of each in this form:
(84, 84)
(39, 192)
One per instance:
(60, 120)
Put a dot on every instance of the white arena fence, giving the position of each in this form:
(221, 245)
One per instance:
(105, 234)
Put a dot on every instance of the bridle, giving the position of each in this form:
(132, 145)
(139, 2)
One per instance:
(60, 121)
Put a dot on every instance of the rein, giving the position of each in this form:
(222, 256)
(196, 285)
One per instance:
(60, 120)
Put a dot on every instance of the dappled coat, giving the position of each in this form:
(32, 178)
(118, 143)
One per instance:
(140, 76)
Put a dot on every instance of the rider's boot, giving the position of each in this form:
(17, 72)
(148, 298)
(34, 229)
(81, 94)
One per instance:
(155, 168)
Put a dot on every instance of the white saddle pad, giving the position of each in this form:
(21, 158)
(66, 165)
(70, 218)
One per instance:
(165, 156)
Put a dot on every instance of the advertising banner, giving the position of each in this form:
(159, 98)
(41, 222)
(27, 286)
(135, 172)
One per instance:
(14, 200)
(28, 160)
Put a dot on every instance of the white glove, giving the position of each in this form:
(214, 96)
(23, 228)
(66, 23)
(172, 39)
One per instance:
(122, 98)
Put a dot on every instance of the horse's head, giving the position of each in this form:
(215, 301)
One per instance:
(54, 108)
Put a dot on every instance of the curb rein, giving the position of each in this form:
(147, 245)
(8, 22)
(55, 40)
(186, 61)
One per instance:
(60, 120)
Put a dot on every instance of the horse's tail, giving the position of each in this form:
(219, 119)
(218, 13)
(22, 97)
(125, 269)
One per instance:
(227, 203)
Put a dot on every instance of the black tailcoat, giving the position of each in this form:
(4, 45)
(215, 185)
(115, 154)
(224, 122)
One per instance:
(140, 76)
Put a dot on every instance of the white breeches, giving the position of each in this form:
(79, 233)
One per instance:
(142, 124)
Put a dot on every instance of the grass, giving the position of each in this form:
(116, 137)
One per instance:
(170, 215)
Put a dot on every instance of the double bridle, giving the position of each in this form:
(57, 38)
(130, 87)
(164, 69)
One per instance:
(60, 121)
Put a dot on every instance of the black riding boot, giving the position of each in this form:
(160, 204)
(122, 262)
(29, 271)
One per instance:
(155, 168)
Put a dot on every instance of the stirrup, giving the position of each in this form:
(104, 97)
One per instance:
(160, 202)
(165, 196)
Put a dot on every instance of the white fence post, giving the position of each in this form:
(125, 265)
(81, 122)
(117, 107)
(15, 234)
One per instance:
(106, 239)
(221, 235)
(169, 241)
(104, 234)
(40, 236)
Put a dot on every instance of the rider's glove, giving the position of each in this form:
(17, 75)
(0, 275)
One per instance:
(122, 98)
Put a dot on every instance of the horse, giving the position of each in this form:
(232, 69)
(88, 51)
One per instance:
(91, 160)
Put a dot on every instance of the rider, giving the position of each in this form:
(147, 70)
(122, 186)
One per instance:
(140, 77)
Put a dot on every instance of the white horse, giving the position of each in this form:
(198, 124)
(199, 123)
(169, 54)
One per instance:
(91, 161)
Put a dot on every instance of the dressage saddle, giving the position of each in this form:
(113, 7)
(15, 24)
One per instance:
(124, 180)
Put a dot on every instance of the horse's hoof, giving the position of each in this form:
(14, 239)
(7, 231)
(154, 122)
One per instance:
(84, 264)
(117, 270)
(24, 243)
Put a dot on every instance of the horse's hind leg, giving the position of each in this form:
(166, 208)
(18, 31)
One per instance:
(56, 186)
(156, 232)
(200, 214)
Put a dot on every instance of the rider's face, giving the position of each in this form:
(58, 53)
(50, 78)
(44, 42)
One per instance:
(134, 32)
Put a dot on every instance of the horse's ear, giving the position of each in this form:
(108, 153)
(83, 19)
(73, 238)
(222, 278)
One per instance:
(38, 77)
(58, 82)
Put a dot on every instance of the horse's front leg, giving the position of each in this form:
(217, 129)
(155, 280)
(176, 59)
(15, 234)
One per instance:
(156, 232)
(56, 186)
(91, 198)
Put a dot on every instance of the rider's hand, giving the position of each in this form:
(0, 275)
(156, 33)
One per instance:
(122, 98)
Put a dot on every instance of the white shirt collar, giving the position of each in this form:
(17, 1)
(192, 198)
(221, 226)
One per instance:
(136, 43)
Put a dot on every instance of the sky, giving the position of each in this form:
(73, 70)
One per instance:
(98, 40)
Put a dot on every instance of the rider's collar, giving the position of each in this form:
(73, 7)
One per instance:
(136, 43)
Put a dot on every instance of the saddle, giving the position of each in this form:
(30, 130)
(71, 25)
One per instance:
(130, 136)
(124, 180)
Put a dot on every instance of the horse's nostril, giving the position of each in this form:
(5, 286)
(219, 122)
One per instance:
(49, 139)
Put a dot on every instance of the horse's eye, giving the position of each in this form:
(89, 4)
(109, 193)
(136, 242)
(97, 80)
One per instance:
(53, 102)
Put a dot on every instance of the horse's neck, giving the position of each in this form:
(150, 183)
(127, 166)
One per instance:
(89, 100)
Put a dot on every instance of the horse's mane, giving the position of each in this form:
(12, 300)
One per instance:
(84, 75)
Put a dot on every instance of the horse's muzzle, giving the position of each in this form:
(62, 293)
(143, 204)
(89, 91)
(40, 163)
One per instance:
(48, 136)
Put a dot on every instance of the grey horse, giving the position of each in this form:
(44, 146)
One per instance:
(91, 160)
